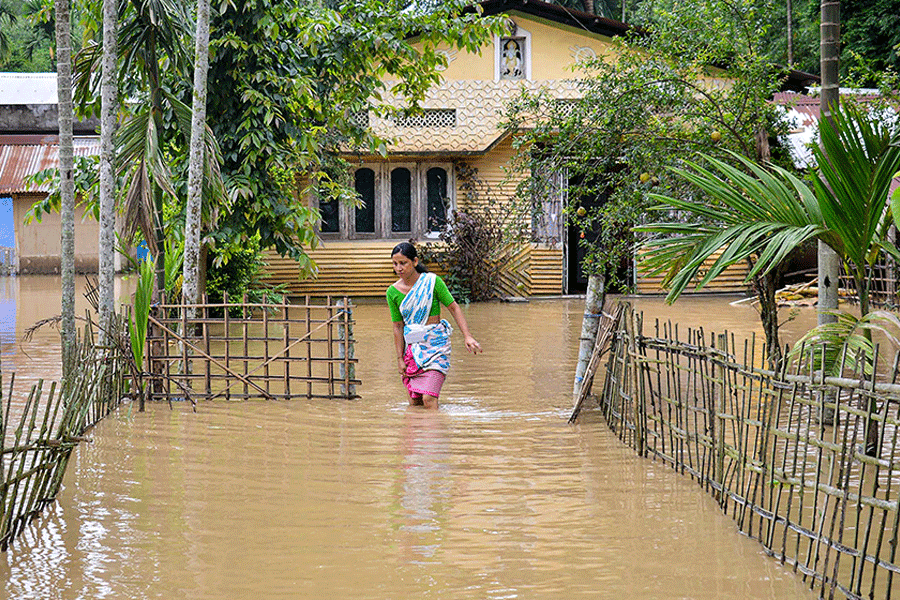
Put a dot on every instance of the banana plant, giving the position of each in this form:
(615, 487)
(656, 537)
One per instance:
(137, 324)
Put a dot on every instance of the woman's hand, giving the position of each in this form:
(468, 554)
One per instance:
(401, 365)
(472, 345)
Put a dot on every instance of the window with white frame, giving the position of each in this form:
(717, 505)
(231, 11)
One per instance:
(397, 200)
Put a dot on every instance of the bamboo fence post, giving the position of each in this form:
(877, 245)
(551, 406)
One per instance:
(227, 318)
(636, 396)
(309, 361)
(345, 348)
(185, 357)
(287, 352)
(330, 335)
(265, 318)
(245, 345)
(206, 346)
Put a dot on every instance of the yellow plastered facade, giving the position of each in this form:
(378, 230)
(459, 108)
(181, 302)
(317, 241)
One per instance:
(473, 91)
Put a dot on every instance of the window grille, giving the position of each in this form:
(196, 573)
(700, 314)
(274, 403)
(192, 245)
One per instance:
(564, 106)
(430, 117)
(360, 118)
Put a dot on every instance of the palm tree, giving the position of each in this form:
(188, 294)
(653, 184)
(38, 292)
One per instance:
(195, 172)
(830, 52)
(151, 33)
(7, 20)
(108, 112)
(67, 183)
(761, 214)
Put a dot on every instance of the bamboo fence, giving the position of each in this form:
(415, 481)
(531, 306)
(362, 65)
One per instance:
(40, 430)
(789, 455)
(240, 350)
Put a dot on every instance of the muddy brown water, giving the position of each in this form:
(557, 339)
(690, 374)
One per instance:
(492, 496)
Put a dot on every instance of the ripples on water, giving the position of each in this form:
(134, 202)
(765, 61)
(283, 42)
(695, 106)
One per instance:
(493, 496)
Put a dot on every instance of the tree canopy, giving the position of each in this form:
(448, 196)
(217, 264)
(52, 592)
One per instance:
(298, 73)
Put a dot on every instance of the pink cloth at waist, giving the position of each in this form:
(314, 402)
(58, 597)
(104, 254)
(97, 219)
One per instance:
(419, 382)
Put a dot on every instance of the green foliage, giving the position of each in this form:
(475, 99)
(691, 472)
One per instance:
(87, 182)
(835, 347)
(472, 242)
(761, 216)
(296, 71)
(241, 273)
(870, 35)
(27, 31)
(656, 101)
(137, 325)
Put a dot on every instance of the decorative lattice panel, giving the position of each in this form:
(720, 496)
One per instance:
(431, 117)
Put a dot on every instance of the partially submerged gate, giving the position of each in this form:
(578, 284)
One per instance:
(240, 350)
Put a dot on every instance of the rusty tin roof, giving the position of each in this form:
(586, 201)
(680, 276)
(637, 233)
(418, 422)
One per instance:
(24, 155)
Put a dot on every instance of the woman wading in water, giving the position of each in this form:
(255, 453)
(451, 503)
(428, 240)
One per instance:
(421, 337)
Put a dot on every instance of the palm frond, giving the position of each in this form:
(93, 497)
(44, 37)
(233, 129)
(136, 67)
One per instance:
(759, 213)
(849, 336)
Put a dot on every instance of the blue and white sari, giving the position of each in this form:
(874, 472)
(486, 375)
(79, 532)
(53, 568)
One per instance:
(428, 344)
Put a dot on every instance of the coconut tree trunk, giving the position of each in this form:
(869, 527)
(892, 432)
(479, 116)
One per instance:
(189, 290)
(66, 181)
(830, 32)
(593, 305)
(108, 112)
(157, 191)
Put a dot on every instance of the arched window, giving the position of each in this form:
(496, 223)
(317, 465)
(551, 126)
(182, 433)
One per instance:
(397, 201)
(401, 200)
(364, 183)
(436, 198)
(331, 220)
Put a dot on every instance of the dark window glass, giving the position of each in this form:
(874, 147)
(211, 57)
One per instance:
(401, 200)
(330, 220)
(436, 180)
(365, 187)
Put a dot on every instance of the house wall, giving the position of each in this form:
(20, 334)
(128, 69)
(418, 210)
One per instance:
(363, 267)
(38, 245)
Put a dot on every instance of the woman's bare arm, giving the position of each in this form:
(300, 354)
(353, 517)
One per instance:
(472, 344)
(399, 346)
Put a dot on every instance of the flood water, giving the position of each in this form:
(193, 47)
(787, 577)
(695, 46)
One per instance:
(493, 496)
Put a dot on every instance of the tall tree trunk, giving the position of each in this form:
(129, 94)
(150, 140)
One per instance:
(829, 264)
(589, 6)
(830, 48)
(790, 34)
(189, 289)
(157, 200)
(66, 182)
(108, 112)
(766, 287)
(593, 305)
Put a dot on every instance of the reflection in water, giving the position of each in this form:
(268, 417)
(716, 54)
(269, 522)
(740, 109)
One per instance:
(492, 496)
(426, 483)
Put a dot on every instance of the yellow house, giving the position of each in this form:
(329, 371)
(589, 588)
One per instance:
(436, 152)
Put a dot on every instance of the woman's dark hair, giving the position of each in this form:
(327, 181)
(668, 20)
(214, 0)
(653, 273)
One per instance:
(410, 252)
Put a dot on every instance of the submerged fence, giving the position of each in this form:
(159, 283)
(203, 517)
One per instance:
(784, 453)
(239, 350)
(40, 429)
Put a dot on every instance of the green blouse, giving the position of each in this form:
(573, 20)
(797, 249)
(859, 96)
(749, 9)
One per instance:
(441, 296)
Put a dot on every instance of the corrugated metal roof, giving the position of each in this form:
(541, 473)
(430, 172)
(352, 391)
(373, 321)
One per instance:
(27, 88)
(19, 160)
